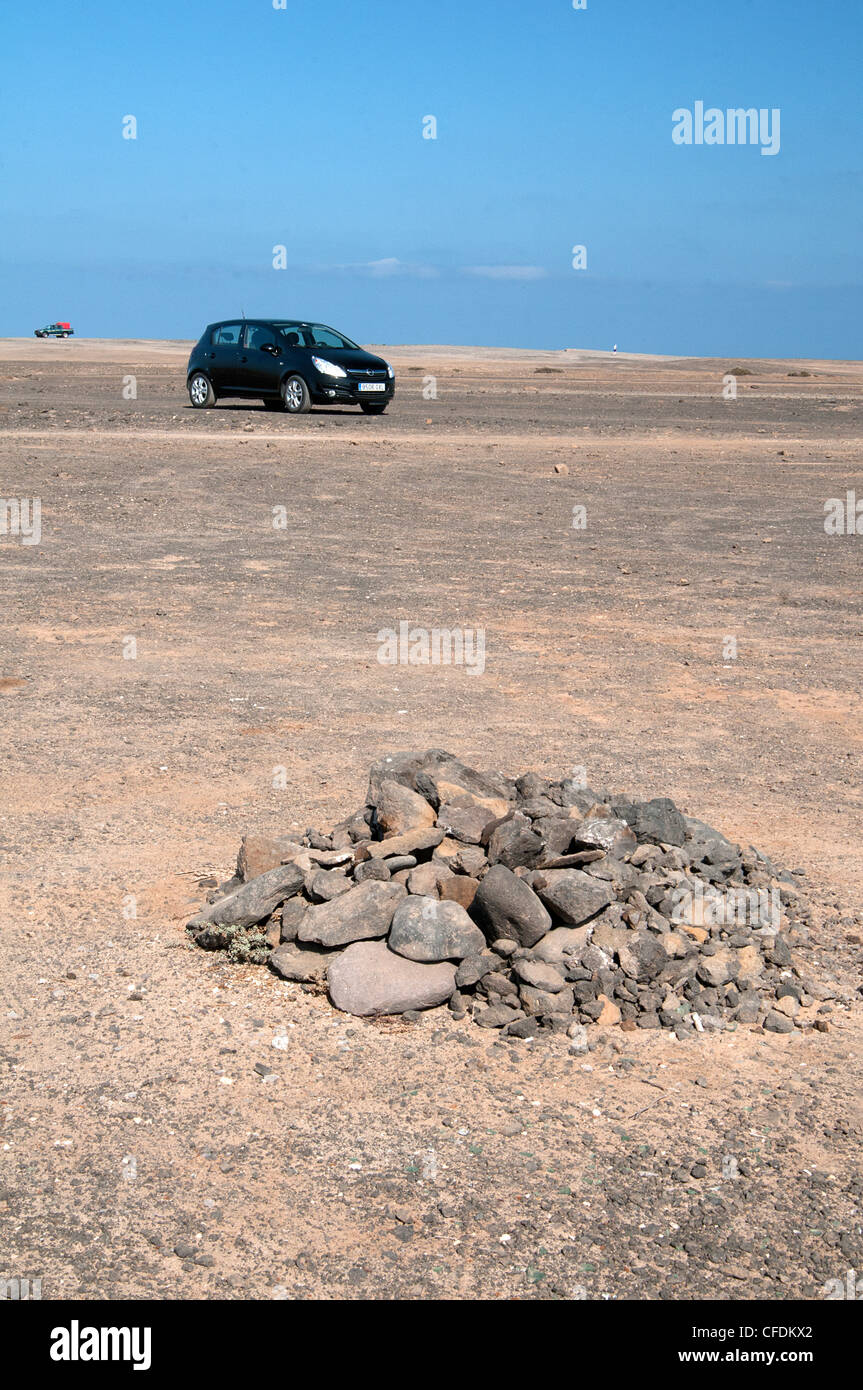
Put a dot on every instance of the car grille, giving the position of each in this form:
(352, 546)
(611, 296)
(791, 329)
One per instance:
(363, 375)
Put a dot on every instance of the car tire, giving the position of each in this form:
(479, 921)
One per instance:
(273, 403)
(295, 395)
(368, 408)
(201, 392)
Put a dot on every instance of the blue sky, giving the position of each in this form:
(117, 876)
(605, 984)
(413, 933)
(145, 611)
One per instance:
(302, 127)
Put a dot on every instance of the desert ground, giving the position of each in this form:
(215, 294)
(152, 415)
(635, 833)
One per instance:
(175, 1127)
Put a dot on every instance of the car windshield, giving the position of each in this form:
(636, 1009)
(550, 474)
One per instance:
(313, 335)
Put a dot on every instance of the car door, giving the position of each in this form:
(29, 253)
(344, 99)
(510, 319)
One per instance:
(222, 357)
(261, 369)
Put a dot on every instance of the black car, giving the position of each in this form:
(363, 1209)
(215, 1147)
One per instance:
(289, 365)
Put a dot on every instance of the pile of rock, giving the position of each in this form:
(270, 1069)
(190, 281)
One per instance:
(529, 904)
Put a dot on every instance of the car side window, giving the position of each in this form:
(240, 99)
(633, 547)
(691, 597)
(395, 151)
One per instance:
(325, 337)
(257, 336)
(227, 335)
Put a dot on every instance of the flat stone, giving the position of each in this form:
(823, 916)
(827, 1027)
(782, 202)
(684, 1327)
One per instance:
(507, 907)
(306, 967)
(408, 843)
(465, 821)
(541, 1003)
(364, 913)
(255, 900)
(572, 896)
(563, 944)
(372, 868)
(426, 929)
(404, 768)
(260, 853)
(496, 1016)
(368, 980)
(539, 974)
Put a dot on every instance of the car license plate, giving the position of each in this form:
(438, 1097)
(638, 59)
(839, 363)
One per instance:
(372, 386)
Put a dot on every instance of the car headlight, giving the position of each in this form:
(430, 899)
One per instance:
(328, 368)
(390, 373)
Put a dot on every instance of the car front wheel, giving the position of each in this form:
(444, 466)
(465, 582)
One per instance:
(201, 393)
(295, 394)
(369, 409)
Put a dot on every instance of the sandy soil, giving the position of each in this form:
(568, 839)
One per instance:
(427, 1160)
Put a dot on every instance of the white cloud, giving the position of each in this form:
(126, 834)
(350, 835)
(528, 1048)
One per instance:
(506, 272)
(389, 266)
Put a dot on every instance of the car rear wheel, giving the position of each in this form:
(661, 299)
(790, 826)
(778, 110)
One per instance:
(201, 392)
(295, 394)
(369, 409)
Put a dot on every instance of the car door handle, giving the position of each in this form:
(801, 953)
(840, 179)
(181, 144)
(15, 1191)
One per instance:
(244, 359)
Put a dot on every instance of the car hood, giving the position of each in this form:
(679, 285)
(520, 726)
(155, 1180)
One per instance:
(352, 359)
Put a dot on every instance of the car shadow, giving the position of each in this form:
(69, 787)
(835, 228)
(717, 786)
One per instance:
(336, 412)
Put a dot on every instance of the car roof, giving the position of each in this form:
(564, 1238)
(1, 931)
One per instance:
(301, 323)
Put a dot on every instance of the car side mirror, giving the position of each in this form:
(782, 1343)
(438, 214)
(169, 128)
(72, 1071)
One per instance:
(270, 347)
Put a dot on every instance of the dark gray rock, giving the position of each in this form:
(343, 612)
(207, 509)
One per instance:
(364, 913)
(507, 907)
(496, 1016)
(426, 929)
(327, 884)
(473, 968)
(255, 900)
(514, 844)
(778, 1023)
(654, 821)
(572, 896)
(372, 868)
(708, 846)
(291, 915)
